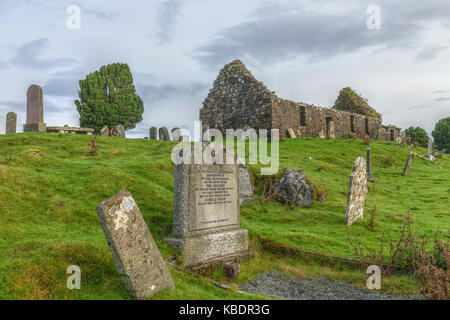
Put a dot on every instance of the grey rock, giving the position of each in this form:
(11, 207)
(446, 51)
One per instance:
(294, 190)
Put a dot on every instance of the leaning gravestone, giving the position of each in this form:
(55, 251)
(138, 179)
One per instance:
(357, 190)
(153, 133)
(135, 253)
(408, 164)
(291, 133)
(206, 214)
(35, 110)
(11, 122)
(164, 134)
(176, 134)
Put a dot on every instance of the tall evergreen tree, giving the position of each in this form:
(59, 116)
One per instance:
(441, 134)
(108, 97)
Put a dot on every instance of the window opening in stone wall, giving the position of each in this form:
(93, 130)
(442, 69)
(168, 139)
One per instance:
(302, 116)
(367, 125)
(352, 124)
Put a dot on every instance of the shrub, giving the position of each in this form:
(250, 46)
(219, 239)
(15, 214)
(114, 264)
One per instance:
(419, 135)
(388, 162)
(441, 134)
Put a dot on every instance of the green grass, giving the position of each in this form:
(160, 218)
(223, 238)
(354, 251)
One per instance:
(48, 219)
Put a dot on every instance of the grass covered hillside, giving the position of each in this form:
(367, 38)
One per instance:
(50, 186)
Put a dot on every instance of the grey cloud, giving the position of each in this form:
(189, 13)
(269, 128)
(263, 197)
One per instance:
(3, 64)
(167, 15)
(28, 56)
(64, 84)
(429, 53)
(99, 14)
(442, 99)
(154, 93)
(16, 105)
(50, 107)
(285, 32)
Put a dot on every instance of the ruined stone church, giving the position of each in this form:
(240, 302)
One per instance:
(239, 101)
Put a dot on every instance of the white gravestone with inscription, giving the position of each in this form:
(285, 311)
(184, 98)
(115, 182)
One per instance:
(206, 213)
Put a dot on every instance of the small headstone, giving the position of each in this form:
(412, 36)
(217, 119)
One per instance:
(118, 131)
(35, 110)
(408, 164)
(176, 134)
(206, 213)
(231, 270)
(11, 122)
(291, 133)
(430, 147)
(164, 134)
(135, 253)
(104, 132)
(357, 190)
(245, 185)
(369, 164)
(153, 133)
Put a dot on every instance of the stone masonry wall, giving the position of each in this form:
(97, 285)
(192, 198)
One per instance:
(238, 101)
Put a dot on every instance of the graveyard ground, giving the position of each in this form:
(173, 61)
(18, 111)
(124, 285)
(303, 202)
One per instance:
(51, 185)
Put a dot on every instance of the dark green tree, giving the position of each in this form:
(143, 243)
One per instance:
(349, 100)
(417, 134)
(441, 134)
(108, 98)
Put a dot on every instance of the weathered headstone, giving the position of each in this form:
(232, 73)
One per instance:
(430, 150)
(104, 132)
(153, 133)
(164, 134)
(118, 131)
(357, 190)
(291, 133)
(135, 253)
(176, 134)
(206, 214)
(35, 110)
(11, 122)
(408, 164)
(369, 164)
(245, 184)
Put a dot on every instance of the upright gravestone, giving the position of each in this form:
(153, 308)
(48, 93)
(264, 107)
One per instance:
(118, 131)
(430, 150)
(104, 132)
(408, 164)
(35, 110)
(245, 184)
(206, 214)
(176, 133)
(164, 134)
(134, 251)
(11, 122)
(357, 190)
(153, 133)
(369, 164)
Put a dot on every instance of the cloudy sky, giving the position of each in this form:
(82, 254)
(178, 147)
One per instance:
(304, 50)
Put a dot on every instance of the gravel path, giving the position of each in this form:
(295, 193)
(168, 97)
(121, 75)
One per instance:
(277, 285)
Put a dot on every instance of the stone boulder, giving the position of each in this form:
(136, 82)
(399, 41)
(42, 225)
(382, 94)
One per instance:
(294, 190)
